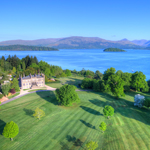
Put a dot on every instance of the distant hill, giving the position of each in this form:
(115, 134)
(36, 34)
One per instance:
(26, 48)
(91, 43)
(113, 50)
(78, 42)
(140, 42)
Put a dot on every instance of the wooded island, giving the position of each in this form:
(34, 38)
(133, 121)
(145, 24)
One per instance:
(113, 50)
(27, 48)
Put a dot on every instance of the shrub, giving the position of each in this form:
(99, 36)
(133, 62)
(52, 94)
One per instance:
(87, 83)
(12, 91)
(39, 113)
(139, 100)
(103, 126)
(67, 95)
(1, 96)
(96, 85)
(147, 102)
(91, 145)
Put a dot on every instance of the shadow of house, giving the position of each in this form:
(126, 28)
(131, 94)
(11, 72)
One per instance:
(90, 110)
(88, 124)
(2, 125)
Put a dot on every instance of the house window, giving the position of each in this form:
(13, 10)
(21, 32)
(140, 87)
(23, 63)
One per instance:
(26, 83)
(29, 83)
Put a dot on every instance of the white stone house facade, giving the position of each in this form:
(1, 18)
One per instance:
(32, 81)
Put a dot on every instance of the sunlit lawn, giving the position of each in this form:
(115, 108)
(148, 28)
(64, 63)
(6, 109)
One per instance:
(73, 80)
(70, 128)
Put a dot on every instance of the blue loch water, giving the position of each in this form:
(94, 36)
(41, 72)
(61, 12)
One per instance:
(92, 59)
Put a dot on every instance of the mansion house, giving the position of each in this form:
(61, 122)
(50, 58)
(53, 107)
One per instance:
(32, 81)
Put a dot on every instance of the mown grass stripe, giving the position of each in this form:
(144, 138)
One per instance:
(83, 126)
(62, 123)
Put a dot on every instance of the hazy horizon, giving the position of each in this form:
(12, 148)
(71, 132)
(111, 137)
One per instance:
(73, 36)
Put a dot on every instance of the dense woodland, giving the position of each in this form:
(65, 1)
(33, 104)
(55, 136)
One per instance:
(27, 48)
(111, 81)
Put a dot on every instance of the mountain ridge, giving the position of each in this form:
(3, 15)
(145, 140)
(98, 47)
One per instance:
(79, 42)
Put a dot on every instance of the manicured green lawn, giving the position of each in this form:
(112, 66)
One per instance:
(70, 128)
(73, 80)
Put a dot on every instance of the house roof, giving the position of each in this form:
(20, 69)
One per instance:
(33, 76)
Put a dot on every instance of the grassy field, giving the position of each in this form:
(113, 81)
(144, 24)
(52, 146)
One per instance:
(73, 80)
(70, 128)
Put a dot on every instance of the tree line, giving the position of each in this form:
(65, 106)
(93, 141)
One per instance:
(116, 82)
(29, 64)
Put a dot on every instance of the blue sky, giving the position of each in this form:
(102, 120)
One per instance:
(108, 19)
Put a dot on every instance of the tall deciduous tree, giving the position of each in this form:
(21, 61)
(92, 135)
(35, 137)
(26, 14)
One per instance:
(14, 70)
(98, 75)
(116, 85)
(23, 65)
(15, 85)
(5, 89)
(108, 73)
(67, 95)
(47, 72)
(39, 113)
(108, 111)
(138, 81)
(68, 72)
(11, 129)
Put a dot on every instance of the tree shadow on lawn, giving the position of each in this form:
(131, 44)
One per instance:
(129, 110)
(76, 142)
(90, 110)
(2, 125)
(88, 124)
(48, 96)
(64, 146)
(29, 112)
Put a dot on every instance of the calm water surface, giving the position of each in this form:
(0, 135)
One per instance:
(92, 59)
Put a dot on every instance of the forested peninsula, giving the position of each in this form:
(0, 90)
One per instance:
(113, 50)
(27, 48)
